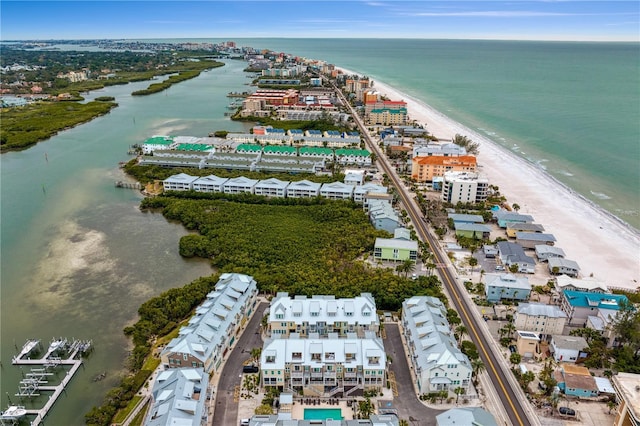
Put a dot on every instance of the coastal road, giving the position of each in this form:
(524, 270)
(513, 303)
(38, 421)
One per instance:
(511, 395)
(226, 407)
(407, 403)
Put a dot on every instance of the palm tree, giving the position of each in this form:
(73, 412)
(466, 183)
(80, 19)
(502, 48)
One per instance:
(458, 391)
(516, 207)
(407, 266)
(476, 368)
(460, 330)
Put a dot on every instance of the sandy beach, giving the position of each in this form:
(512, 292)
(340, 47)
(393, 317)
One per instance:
(601, 244)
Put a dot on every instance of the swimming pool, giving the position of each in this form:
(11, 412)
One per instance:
(322, 413)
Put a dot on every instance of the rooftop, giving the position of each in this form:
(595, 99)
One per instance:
(583, 299)
(626, 385)
(541, 309)
(575, 343)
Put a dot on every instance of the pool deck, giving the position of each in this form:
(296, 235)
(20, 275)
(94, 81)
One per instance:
(297, 411)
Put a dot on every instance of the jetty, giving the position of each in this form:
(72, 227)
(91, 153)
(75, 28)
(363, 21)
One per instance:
(128, 185)
(61, 352)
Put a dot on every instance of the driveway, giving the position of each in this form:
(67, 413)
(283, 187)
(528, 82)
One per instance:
(226, 411)
(408, 405)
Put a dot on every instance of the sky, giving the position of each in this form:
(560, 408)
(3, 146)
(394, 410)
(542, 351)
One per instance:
(510, 20)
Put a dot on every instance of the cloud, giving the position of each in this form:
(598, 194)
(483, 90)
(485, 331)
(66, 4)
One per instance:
(499, 14)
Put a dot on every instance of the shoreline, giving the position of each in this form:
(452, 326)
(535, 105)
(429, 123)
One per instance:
(603, 244)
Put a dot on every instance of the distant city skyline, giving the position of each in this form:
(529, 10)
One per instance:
(502, 20)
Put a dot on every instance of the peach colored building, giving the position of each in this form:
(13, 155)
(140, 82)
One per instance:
(424, 169)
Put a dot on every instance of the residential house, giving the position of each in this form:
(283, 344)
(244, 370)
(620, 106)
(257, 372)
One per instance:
(157, 142)
(354, 177)
(316, 152)
(505, 217)
(424, 169)
(303, 189)
(560, 265)
(179, 397)
(545, 252)
(211, 332)
(475, 416)
(211, 183)
(603, 323)
(540, 318)
(527, 343)
(323, 315)
(628, 399)
(574, 380)
(239, 185)
(568, 348)
(531, 239)
(395, 249)
(464, 187)
(586, 284)
(513, 254)
(383, 216)
(472, 230)
(324, 366)
(361, 157)
(179, 182)
(580, 305)
(373, 199)
(336, 191)
(172, 161)
(514, 227)
(436, 360)
(465, 218)
(506, 286)
(272, 188)
(361, 191)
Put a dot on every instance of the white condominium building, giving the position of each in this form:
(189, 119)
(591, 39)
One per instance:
(214, 328)
(437, 362)
(322, 315)
(324, 366)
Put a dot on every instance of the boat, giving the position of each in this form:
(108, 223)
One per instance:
(57, 344)
(13, 412)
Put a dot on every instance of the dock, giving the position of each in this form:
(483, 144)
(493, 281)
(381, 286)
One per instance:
(61, 352)
(128, 185)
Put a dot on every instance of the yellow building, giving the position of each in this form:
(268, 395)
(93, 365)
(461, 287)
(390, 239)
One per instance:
(424, 169)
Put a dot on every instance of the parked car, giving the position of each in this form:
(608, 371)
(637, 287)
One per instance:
(250, 369)
(513, 349)
(567, 411)
(499, 268)
(244, 422)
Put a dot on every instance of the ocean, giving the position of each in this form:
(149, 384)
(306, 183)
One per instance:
(571, 108)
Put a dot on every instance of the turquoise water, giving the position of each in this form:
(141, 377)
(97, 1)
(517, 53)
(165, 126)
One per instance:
(322, 413)
(573, 109)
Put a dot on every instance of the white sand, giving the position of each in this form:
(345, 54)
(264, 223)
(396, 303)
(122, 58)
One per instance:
(601, 244)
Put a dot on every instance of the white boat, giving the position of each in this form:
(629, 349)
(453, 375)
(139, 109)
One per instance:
(14, 412)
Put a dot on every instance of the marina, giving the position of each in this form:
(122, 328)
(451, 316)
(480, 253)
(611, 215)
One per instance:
(60, 353)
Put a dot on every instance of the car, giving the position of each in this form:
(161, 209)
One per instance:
(250, 369)
(244, 422)
(567, 411)
(513, 349)
(414, 276)
(499, 268)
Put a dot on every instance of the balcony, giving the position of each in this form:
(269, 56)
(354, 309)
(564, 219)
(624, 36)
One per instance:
(297, 374)
(318, 375)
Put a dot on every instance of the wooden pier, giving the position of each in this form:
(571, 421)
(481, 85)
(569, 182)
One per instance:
(128, 185)
(35, 381)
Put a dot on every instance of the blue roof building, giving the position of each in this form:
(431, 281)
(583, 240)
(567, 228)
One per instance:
(578, 305)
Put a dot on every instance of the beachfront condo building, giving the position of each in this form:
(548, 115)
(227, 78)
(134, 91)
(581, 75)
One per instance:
(322, 315)
(463, 187)
(424, 169)
(628, 399)
(436, 360)
(325, 367)
(387, 117)
(580, 305)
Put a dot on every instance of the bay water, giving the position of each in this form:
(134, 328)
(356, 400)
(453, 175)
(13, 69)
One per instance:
(78, 256)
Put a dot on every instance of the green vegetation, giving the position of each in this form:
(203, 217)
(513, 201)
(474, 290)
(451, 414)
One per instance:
(323, 124)
(25, 126)
(187, 71)
(122, 415)
(307, 246)
(105, 99)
